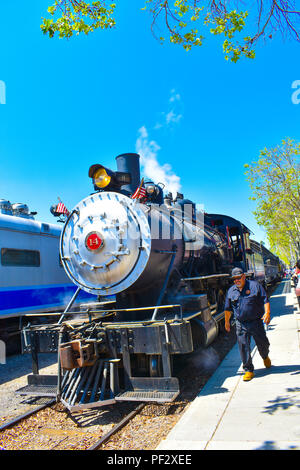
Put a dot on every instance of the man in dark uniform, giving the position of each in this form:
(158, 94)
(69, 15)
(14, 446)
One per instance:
(251, 307)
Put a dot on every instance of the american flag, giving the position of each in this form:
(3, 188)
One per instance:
(61, 209)
(139, 192)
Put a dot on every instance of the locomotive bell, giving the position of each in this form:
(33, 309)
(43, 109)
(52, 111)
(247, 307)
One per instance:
(106, 243)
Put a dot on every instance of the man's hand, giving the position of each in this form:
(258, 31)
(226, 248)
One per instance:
(227, 320)
(266, 318)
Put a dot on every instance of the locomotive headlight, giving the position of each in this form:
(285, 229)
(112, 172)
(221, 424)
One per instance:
(105, 178)
(101, 179)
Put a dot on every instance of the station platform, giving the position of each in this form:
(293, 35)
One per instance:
(263, 414)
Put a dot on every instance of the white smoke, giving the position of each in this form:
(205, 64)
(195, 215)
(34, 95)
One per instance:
(151, 168)
(148, 149)
(170, 118)
(207, 360)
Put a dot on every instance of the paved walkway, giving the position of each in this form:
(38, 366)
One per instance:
(264, 413)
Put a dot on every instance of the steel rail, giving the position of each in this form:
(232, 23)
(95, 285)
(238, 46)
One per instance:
(117, 428)
(98, 443)
(25, 415)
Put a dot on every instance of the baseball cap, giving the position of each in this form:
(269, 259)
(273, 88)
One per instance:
(237, 272)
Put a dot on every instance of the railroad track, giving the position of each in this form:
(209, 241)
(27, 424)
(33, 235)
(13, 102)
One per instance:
(19, 425)
(42, 427)
(19, 418)
(34, 431)
(117, 428)
(120, 426)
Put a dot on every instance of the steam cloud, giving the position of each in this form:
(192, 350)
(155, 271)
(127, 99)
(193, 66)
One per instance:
(148, 149)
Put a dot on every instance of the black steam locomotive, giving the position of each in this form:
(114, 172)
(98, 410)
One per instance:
(159, 270)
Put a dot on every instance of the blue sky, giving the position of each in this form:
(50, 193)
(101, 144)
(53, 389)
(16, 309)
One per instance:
(70, 104)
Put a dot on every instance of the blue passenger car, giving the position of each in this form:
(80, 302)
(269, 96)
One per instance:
(32, 278)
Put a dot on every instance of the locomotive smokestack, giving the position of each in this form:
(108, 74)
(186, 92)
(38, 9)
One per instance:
(129, 163)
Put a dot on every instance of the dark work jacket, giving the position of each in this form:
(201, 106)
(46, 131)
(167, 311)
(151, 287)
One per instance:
(248, 304)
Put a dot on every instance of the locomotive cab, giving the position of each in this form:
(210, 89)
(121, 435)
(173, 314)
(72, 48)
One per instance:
(237, 235)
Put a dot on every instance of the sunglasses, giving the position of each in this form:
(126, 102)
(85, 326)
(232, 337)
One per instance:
(238, 278)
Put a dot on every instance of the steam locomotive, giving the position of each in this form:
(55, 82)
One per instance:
(166, 265)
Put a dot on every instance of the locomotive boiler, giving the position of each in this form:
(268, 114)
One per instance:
(163, 266)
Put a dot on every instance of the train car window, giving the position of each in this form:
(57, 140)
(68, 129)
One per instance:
(237, 247)
(13, 257)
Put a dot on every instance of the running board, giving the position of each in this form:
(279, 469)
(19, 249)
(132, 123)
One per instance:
(98, 385)
(39, 386)
(151, 389)
(202, 278)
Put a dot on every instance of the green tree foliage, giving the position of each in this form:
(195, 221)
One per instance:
(275, 182)
(185, 21)
(70, 16)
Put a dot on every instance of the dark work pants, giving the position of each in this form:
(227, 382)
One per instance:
(244, 331)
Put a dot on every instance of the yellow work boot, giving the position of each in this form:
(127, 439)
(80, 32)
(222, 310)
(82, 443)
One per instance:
(267, 362)
(248, 376)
